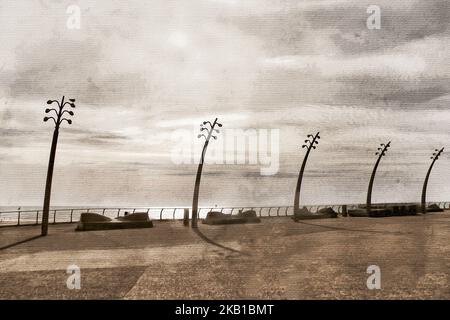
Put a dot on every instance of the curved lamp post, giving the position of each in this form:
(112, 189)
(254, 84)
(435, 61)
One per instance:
(435, 156)
(58, 118)
(310, 143)
(381, 152)
(210, 129)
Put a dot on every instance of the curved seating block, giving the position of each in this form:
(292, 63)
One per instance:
(87, 217)
(247, 214)
(215, 218)
(93, 221)
(357, 213)
(137, 216)
(374, 213)
(388, 210)
(404, 210)
(434, 208)
(305, 214)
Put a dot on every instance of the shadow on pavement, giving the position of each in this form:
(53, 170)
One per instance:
(210, 241)
(19, 242)
(356, 230)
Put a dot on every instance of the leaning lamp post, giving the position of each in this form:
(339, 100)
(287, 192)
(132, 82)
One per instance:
(56, 114)
(435, 156)
(310, 143)
(381, 153)
(209, 128)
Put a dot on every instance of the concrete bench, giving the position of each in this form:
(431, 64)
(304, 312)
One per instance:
(305, 214)
(434, 208)
(216, 218)
(93, 221)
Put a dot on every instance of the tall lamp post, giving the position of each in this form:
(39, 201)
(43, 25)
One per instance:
(310, 143)
(435, 156)
(381, 152)
(58, 118)
(210, 129)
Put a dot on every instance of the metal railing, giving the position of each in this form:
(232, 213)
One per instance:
(70, 215)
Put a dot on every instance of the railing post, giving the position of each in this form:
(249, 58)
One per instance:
(286, 211)
(269, 211)
(260, 209)
(37, 217)
(278, 211)
(71, 215)
(18, 218)
(118, 213)
(160, 213)
(173, 216)
(344, 210)
(186, 217)
(54, 217)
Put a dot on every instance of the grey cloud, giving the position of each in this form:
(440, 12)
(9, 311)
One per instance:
(12, 137)
(12, 132)
(278, 175)
(419, 95)
(399, 24)
(96, 141)
(288, 32)
(391, 92)
(96, 138)
(74, 70)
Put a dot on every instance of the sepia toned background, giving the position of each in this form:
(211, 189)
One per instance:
(142, 70)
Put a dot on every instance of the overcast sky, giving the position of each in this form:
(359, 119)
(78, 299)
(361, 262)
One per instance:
(140, 70)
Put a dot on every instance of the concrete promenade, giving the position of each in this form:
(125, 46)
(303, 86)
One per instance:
(276, 259)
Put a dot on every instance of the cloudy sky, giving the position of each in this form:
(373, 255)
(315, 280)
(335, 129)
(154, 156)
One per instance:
(141, 71)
